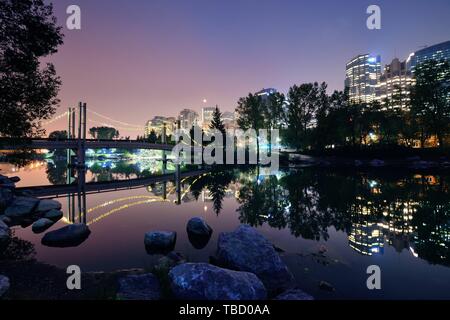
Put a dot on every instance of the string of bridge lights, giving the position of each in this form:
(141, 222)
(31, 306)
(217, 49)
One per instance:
(124, 125)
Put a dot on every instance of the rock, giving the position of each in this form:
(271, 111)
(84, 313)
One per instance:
(139, 287)
(199, 227)
(14, 179)
(21, 207)
(69, 236)
(6, 198)
(53, 215)
(247, 250)
(4, 285)
(160, 241)
(6, 220)
(41, 225)
(169, 261)
(47, 205)
(4, 232)
(294, 295)
(199, 232)
(323, 285)
(202, 281)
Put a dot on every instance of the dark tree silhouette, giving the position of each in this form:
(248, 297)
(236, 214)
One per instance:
(430, 98)
(28, 92)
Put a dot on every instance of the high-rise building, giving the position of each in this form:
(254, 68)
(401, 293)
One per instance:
(207, 117)
(436, 52)
(157, 125)
(265, 93)
(362, 75)
(188, 118)
(395, 84)
(229, 120)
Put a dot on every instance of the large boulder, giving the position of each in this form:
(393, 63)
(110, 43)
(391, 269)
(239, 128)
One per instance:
(47, 205)
(139, 287)
(53, 215)
(247, 250)
(6, 198)
(69, 236)
(41, 225)
(202, 281)
(4, 232)
(4, 285)
(21, 207)
(294, 294)
(199, 232)
(14, 179)
(160, 242)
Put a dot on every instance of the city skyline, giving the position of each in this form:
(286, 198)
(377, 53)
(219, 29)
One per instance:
(115, 64)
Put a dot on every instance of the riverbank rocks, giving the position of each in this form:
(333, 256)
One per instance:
(139, 287)
(6, 198)
(41, 225)
(54, 215)
(247, 250)
(160, 242)
(21, 207)
(202, 281)
(47, 205)
(199, 232)
(70, 236)
(4, 232)
(4, 285)
(294, 295)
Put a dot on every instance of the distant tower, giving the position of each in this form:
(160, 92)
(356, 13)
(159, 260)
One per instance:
(362, 75)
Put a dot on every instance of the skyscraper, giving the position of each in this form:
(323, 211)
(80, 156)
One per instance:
(207, 116)
(188, 118)
(395, 84)
(362, 75)
(436, 52)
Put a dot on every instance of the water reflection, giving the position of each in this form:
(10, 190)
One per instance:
(409, 212)
(404, 211)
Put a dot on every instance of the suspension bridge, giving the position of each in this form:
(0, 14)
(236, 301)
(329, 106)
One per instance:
(78, 142)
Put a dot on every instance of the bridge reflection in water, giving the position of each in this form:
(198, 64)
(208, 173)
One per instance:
(76, 189)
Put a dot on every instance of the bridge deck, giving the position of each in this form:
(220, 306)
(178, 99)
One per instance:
(10, 144)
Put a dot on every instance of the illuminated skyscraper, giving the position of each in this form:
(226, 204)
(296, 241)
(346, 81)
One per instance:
(395, 84)
(188, 118)
(436, 52)
(362, 75)
(207, 117)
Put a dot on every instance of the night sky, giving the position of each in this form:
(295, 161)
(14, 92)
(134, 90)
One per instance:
(134, 59)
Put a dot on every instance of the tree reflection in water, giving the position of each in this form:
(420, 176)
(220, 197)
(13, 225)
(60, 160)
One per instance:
(406, 211)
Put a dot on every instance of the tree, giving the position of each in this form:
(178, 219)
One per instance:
(28, 92)
(58, 135)
(104, 133)
(217, 122)
(152, 137)
(251, 110)
(304, 102)
(274, 112)
(430, 99)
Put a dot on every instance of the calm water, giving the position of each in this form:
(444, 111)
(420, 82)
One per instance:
(399, 221)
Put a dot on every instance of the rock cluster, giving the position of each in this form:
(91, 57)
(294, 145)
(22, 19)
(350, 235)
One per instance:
(248, 267)
(25, 210)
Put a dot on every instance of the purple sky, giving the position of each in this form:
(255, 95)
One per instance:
(134, 59)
